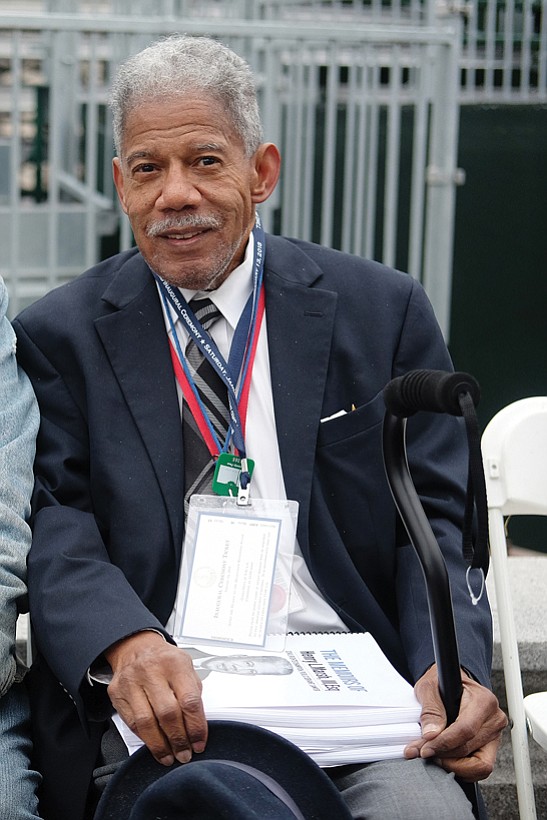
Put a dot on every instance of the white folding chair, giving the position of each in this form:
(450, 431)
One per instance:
(514, 449)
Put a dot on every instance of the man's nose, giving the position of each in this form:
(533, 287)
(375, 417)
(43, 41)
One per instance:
(178, 191)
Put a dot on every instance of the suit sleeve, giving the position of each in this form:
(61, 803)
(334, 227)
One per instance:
(80, 601)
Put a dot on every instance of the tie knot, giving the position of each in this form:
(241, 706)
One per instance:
(205, 311)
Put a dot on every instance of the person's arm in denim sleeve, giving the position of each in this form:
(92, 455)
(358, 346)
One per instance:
(19, 419)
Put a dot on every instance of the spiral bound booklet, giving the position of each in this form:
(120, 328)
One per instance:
(335, 695)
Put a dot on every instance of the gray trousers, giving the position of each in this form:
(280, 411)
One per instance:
(401, 790)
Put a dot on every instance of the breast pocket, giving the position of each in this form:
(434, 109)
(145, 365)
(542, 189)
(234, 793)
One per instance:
(355, 423)
(353, 486)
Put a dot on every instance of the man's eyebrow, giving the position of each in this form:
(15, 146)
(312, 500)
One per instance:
(209, 146)
(137, 155)
(199, 148)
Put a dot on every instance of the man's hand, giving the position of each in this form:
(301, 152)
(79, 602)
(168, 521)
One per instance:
(157, 693)
(468, 746)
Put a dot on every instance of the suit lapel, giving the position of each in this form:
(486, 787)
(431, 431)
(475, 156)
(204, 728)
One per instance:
(300, 318)
(300, 324)
(135, 342)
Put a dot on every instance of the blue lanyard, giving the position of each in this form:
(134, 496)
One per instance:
(240, 349)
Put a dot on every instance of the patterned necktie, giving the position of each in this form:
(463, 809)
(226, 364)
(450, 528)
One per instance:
(198, 464)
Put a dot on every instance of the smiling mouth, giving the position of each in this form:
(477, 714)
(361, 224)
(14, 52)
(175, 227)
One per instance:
(182, 236)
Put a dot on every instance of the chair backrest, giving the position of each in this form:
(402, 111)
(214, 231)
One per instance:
(514, 449)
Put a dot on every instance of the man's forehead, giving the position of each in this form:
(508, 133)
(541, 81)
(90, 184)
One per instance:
(200, 127)
(191, 109)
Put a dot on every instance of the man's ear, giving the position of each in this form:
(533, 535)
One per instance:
(267, 164)
(118, 181)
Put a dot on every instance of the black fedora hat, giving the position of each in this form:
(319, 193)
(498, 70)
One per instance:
(245, 772)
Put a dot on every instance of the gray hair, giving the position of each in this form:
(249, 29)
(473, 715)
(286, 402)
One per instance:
(179, 65)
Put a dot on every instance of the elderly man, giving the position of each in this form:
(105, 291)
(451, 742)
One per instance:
(132, 388)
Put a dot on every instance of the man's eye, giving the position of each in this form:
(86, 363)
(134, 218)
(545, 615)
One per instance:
(144, 168)
(208, 160)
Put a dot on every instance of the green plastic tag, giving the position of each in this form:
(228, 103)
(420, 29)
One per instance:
(227, 472)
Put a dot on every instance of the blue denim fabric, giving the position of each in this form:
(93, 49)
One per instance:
(19, 419)
(18, 783)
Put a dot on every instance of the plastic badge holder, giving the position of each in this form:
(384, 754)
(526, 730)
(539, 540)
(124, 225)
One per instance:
(234, 585)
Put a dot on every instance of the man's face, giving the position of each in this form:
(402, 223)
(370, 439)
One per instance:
(189, 190)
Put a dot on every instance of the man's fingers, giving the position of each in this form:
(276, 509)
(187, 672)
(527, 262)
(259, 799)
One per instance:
(181, 719)
(463, 738)
(477, 766)
(169, 719)
(432, 721)
(157, 693)
(195, 721)
(479, 723)
(433, 715)
(468, 746)
(136, 712)
(169, 727)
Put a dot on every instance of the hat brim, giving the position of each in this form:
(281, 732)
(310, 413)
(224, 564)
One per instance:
(308, 785)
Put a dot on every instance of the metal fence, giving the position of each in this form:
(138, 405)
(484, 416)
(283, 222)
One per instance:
(365, 115)
(504, 54)
(362, 98)
(504, 49)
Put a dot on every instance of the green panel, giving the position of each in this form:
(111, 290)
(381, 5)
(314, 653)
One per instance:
(499, 303)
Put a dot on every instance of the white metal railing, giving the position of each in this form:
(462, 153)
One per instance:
(365, 114)
(362, 97)
(503, 58)
(504, 54)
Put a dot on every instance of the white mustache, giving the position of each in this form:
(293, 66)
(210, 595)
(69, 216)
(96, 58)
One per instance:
(183, 223)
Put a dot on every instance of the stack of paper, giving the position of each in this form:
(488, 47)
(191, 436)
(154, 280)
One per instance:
(335, 695)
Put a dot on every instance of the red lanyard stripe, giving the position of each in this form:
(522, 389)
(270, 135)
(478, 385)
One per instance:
(243, 403)
(190, 397)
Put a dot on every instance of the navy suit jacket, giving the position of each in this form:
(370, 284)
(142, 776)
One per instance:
(107, 510)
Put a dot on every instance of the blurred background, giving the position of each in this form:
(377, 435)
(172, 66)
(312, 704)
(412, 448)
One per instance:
(412, 131)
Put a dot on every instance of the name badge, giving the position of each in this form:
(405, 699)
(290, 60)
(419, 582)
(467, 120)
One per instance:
(234, 585)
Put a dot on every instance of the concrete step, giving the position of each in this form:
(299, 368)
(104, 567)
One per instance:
(499, 790)
(528, 580)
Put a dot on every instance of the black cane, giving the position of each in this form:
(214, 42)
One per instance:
(439, 392)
